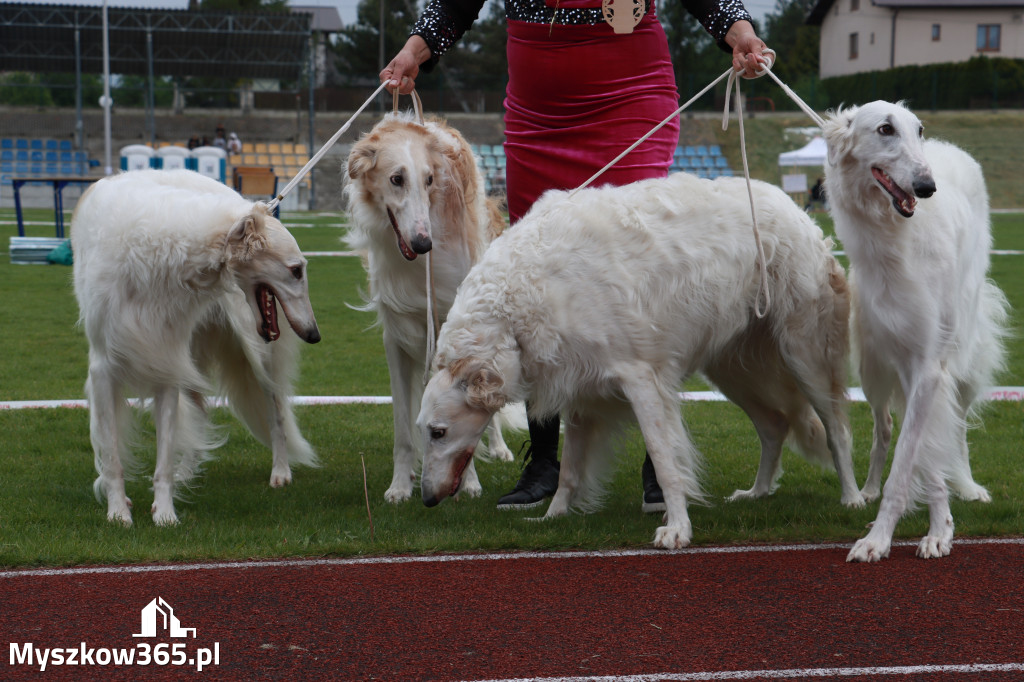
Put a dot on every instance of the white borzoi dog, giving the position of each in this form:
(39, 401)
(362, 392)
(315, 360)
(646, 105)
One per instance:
(415, 188)
(178, 280)
(927, 324)
(610, 298)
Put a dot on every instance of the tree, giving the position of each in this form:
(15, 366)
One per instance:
(795, 42)
(696, 57)
(358, 45)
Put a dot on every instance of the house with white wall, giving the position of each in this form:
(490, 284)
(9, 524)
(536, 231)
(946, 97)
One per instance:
(873, 35)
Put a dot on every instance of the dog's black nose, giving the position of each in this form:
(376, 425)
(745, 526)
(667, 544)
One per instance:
(924, 188)
(421, 243)
(313, 336)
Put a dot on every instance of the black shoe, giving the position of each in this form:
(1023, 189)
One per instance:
(538, 481)
(654, 501)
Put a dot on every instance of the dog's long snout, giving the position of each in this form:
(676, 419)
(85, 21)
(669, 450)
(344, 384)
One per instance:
(421, 243)
(312, 335)
(924, 186)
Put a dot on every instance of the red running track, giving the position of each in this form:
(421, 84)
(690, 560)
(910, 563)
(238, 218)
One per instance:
(748, 613)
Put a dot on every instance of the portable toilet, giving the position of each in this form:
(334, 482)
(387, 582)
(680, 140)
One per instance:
(210, 161)
(172, 157)
(136, 157)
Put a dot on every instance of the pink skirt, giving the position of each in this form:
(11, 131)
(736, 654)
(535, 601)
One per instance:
(577, 97)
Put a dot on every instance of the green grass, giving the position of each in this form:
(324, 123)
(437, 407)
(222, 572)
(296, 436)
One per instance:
(49, 516)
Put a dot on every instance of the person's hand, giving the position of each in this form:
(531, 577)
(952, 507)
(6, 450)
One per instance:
(404, 68)
(747, 48)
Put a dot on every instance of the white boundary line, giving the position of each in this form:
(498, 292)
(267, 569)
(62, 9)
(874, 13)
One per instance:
(793, 673)
(454, 558)
(1000, 394)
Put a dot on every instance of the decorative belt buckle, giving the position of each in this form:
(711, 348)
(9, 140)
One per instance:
(623, 15)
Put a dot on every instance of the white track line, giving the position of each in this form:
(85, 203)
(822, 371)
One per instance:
(1001, 393)
(793, 673)
(456, 558)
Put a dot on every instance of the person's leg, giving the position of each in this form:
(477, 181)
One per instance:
(539, 479)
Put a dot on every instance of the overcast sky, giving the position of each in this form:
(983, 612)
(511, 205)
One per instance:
(346, 8)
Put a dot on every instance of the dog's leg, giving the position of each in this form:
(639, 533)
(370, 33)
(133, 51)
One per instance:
(920, 416)
(470, 485)
(962, 482)
(878, 384)
(281, 472)
(772, 427)
(106, 415)
(165, 418)
(496, 441)
(575, 446)
(406, 392)
(673, 455)
(939, 541)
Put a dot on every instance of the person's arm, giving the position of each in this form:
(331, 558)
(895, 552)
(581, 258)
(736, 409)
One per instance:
(729, 23)
(443, 22)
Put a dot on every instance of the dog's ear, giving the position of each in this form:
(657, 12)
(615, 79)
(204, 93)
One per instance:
(361, 160)
(484, 386)
(246, 237)
(838, 133)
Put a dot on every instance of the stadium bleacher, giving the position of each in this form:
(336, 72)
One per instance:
(44, 157)
(703, 161)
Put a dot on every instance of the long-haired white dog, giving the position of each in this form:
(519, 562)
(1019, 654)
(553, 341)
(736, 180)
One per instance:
(415, 188)
(178, 280)
(608, 299)
(927, 322)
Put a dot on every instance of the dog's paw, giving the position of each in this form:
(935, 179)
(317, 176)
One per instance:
(855, 501)
(122, 516)
(972, 492)
(164, 517)
(743, 495)
(870, 494)
(279, 479)
(671, 537)
(500, 452)
(396, 494)
(866, 550)
(934, 546)
(470, 489)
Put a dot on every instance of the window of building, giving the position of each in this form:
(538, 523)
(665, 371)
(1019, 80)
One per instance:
(988, 37)
(853, 46)
(936, 32)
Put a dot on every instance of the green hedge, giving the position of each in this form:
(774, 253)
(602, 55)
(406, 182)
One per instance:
(978, 83)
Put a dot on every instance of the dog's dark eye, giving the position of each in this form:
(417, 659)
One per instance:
(430, 180)
(886, 129)
(297, 272)
(920, 131)
(397, 180)
(438, 434)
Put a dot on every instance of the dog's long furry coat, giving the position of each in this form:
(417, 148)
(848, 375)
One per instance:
(928, 325)
(178, 278)
(611, 298)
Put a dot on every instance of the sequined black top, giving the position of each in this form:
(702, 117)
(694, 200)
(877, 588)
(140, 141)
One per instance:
(444, 21)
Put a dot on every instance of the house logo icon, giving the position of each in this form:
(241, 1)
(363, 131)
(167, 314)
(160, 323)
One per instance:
(158, 615)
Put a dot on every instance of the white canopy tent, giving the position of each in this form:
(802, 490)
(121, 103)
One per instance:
(811, 154)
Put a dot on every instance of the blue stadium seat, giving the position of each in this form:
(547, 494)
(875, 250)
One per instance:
(715, 150)
(21, 155)
(51, 145)
(702, 150)
(6, 143)
(7, 155)
(65, 145)
(36, 144)
(6, 166)
(51, 156)
(721, 162)
(66, 157)
(37, 155)
(690, 150)
(67, 169)
(21, 143)
(51, 169)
